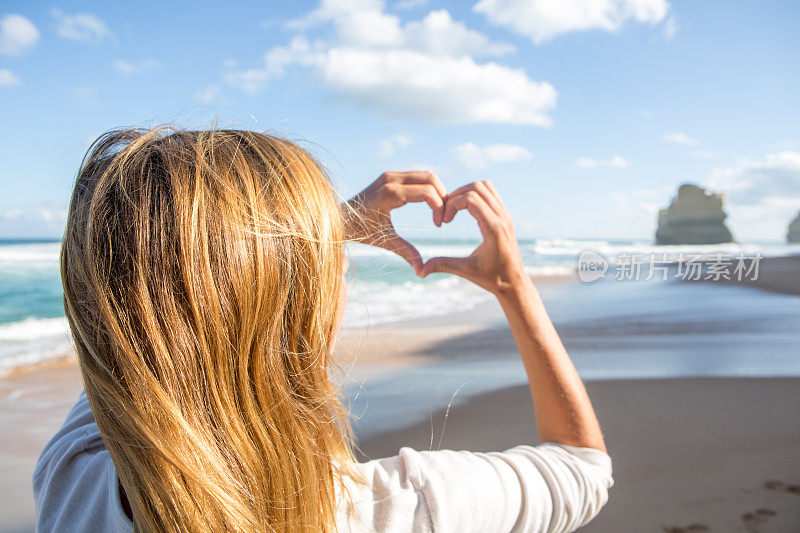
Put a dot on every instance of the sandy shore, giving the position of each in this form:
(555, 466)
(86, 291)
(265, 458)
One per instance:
(32, 408)
(776, 274)
(721, 454)
(717, 453)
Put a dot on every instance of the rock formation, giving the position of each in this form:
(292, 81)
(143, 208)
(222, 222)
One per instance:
(693, 217)
(793, 235)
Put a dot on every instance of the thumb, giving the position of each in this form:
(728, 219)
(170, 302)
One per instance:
(450, 265)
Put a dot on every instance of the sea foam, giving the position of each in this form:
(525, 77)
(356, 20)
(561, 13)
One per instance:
(381, 286)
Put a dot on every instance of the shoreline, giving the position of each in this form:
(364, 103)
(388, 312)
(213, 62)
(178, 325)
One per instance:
(776, 274)
(780, 275)
(710, 468)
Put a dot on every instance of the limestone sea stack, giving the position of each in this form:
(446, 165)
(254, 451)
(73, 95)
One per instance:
(694, 217)
(793, 235)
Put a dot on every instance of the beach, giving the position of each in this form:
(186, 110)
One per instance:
(716, 453)
(214, 180)
(696, 387)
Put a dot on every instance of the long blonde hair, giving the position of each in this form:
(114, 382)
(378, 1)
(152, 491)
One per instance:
(202, 272)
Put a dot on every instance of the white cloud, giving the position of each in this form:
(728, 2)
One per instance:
(17, 35)
(357, 22)
(476, 157)
(35, 214)
(438, 33)
(763, 194)
(751, 180)
(670, 28)
(441, 89)
(423, 69)
(619, 162)
(699, 152)
(613, 162)
(208, 95)
(33, 221)
(541, 20)
(129, 68)
(369, 28)
(363, 23)
(8, 78)
(81, 27)
(389, 147)
(276, 61)
(680, 138)
(408, 4)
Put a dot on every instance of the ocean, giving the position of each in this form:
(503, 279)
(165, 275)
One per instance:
(382, 288)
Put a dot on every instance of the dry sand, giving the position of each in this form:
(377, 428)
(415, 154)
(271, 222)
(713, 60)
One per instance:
(719, 454)
(32, 408)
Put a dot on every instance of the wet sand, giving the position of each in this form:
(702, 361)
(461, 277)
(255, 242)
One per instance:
(776, 274)
(720, 454)
(32, 407)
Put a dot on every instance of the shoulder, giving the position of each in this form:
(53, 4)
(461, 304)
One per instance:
(443, 490)
(75, 484)
(525, 488)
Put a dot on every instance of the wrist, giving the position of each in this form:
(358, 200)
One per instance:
(517, 289)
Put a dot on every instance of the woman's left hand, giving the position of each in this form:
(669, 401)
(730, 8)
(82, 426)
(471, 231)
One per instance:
(368, 220)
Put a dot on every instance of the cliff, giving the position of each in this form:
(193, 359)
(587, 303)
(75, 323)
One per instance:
(693, 217)
(793, 235)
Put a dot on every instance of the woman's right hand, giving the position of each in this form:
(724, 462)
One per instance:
(496, 264)
(368, 218)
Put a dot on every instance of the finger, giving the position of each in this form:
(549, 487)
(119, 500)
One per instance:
(476, 205)
(497, 202)
(464, 188)
(483, 190)
(404, 249)
(424, 193)
(418, 176)
(495, 193)
(450, 265)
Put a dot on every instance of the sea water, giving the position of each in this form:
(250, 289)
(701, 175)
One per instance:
(381, 286)
(612, 330)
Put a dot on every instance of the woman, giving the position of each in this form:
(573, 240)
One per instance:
(203, 276)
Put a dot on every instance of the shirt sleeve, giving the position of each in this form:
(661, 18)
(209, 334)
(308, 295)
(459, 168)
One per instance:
(544, 488)
(75, 484)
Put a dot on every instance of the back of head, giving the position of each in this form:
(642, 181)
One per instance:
(201, 274)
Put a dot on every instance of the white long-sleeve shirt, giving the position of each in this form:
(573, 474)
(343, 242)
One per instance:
(548, 487)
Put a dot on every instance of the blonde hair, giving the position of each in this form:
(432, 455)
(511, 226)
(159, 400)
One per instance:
(202, 272)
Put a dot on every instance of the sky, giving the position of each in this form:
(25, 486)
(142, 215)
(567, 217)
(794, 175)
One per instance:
(586, 114)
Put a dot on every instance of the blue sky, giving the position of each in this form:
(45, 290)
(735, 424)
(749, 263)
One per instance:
(586, 115)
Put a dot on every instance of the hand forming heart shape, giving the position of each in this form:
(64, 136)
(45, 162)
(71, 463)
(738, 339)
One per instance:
(495, 264)
(370, 222)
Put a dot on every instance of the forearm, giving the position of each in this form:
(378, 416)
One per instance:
(564, 413)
